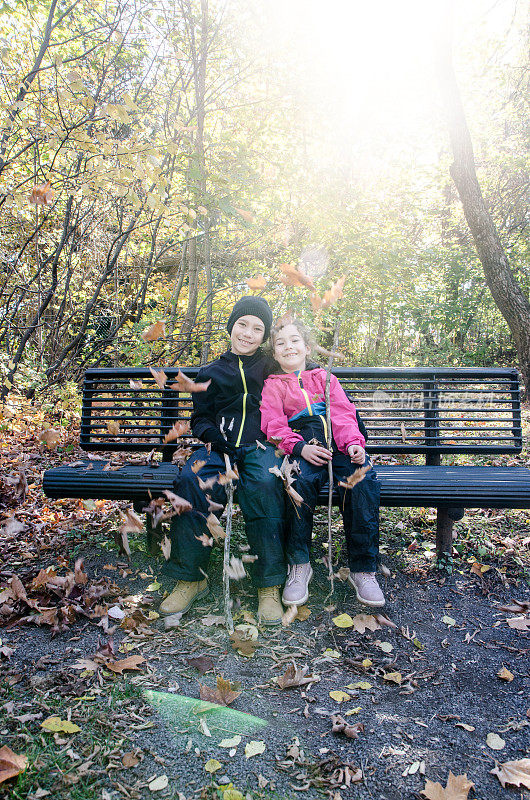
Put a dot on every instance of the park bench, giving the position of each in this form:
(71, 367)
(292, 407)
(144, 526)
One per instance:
(407, 412)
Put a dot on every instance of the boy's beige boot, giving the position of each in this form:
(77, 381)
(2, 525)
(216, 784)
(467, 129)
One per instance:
(183, 596)
(270, 609)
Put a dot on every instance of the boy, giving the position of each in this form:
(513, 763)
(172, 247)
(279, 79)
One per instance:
(227, 417)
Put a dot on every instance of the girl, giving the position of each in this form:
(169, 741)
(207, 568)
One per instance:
(293, 415)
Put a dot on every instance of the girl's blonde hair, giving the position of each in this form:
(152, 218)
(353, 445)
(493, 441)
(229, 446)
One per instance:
(302, 329)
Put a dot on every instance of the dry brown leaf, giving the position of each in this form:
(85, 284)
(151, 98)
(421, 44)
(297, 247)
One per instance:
(214, 527)
(517, 607)
(514, 773)
(154, 332)
(223, 695)
(42, 195)
(50, 437)
(355, 477)
(244, 646)
(505, 675)
(205, 540)
(130, 522)
(334, 293)
(132, 662)
(292, 276)
(364, 622)
(185, 384)
(160, 377)
(303, 613)
(295, 676)
(179, 503)
(202, 664)
(212, 505)
(197, 465)
(180, 428)
(205, 485)
(329, 353)
(258, 282)
(11, 764)
(382, 620)
(113, 427)
(343, 574)
(339, 725)
(519, 623)
(246, 215)
(235, 570)
(457, 788)
(165, 546)
(130, 760)
(289, 615)
(135, 384)
(230, 475)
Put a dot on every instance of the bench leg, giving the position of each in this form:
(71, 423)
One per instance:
(444, 535)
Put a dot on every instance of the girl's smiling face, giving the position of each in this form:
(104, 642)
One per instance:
(290, 349)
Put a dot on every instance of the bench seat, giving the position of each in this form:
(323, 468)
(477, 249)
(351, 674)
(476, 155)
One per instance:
(401, 485)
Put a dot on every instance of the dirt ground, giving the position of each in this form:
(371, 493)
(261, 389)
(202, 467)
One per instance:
(444, 687)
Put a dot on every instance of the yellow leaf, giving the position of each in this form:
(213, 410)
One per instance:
(366, 662)
(343, 621)
(232, 794)
(339, 696)
(359, 685)
(254, 748)
(212, 765)
(505, 675)
(395, 677)
(332, 653)
(58, 725)
(386, 647)
(233, 742)
(352, 711)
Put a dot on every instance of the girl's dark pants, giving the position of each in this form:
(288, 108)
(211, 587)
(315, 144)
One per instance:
(359, 507)
(260, 495)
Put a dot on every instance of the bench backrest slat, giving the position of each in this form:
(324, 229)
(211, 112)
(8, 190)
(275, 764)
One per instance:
(429, 411)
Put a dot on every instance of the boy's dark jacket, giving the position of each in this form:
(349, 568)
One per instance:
(221, 408)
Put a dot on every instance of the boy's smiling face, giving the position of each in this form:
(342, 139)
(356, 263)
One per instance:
(247, 335)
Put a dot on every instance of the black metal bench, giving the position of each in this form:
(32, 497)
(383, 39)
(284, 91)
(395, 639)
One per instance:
(423, 411)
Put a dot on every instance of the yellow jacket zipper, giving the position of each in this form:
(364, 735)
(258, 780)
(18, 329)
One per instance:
(245, 392)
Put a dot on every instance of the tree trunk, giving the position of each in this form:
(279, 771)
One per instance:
(505, 290)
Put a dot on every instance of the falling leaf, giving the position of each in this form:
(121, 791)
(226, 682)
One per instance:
(212, 505)
(214, 527)
(205, 485)
(58, 725)
(228, 476)
(113, 427)
(136, 385)
(50, 437)
(165, 546)
(505, 675)
(295, 676)
(254, 748)
(343, 574)
(197, 465)
(130, 522)
(212, 765)
(457, 788)
(292, 276)
(223, 695)
(11, 764)
(235, 570)
(403, 432)
(515, 773)
(42, 195)
(185, 384)
(246, 215)
(179, 503)
(180, 428)
(334, 293)
(154, 332)
(205, 540)
(258, 282)
(233, 742)
(355, 477)
(158, 784)
(160, 377)
(339, 696)
(495, 742)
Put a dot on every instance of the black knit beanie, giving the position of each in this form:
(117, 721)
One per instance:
(251, 304)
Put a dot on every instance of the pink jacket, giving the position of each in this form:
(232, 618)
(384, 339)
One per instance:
(283, 397)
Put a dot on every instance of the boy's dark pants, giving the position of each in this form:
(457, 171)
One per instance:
(261, 498)
(359, 507)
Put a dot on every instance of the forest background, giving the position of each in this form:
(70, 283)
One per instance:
(156, 155)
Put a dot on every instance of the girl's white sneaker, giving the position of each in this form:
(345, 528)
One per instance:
(296, 591)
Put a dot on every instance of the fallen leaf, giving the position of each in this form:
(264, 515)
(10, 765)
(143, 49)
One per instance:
(202, 664)
(303, 613)
(339, 696)
(212, 765)
(495, 742)
(449, 621)
(394, 677)
(50, 437)
(233, 742)
(505, 675)
(295, 676)
(359, 685)
(464, 726)
(343, 621)
(154, 332)
(223, 695)
(519, 623)
(58, 725)
(343, 574)
(289, 615)
(132, 662)
(339, 725)
(386, 647)
(130, 760)
(11, 764)
(244, 646)
(515, 773)
(158, 783)
(457, 788)
(254, 748)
